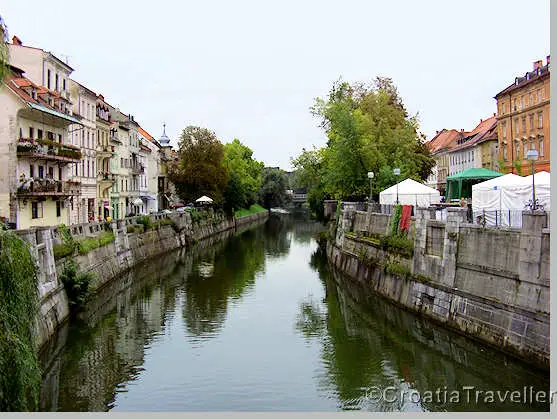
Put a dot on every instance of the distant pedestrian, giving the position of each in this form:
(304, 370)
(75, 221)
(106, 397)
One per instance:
(463, 203)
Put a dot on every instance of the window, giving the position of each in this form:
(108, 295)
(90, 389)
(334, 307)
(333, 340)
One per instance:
(514, 104)
(126, 185)
(88, 146)
(539, 96)
(50, 173)
(48, 79)
(36, 209)
(88, 172)
(524, 125)
(82, 137)
(93, 168)
(82, 168)
(522, 102)
(121, 162)
(31, 171)
(31, 132)
(517, 150)
(58, 209)
(122, 184)
(543, 93)
(504, 153)
(531, 122)
(504, 129)
(63, 84)
(76, 169)
(540, 120)
(41, 172)
(472, 153)
(56, 82)
(525, 148)
(516, 126)
(531, 99)
(541, 147)
(40, 134)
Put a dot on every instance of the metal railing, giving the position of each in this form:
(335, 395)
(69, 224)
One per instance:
(492, 218)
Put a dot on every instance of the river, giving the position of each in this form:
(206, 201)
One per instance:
(258, 322)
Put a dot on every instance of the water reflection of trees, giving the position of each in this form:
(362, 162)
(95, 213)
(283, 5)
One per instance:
(234, 270)
(106, 348)
(366, 341)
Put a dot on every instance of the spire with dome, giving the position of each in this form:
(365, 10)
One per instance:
(164, 140)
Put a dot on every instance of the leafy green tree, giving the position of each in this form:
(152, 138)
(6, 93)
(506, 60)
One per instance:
(368, 129)
(199, 170)
(273, 188)
(245, 175)
(4, 56)
(309, 173)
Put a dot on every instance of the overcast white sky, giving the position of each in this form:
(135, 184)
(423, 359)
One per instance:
(251, 69)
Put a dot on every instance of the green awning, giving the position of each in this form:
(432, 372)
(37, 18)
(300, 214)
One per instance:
(475, 173)
(55, 113)
(459, 185)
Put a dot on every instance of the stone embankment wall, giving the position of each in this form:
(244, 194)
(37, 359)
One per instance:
(489, 284)
(116, 258)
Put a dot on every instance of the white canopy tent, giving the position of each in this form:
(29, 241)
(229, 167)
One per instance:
(501, 200)
(410, 192)
(204, 200)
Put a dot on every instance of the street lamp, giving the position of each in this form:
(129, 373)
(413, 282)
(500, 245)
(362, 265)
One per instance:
(532, 155)
(370, 176)
(396, 172)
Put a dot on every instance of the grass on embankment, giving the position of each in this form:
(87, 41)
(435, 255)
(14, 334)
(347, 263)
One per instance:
(252, 210)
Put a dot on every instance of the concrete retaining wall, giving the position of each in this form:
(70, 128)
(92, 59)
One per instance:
(489, 284)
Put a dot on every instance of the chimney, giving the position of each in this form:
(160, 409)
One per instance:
(16, 40)
(547, 59)
(481, 120)
(493, 113)
(462, 130)
(436, 132)
(538, 64)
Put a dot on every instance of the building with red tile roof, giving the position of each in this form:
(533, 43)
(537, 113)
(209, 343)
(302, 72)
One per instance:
(37, 155)
(523, 114)
(455, 151)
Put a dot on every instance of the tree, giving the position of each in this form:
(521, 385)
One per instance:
(199, 169)
(245, 175)
(309, 174)
(273, 188)
(4, 56)
(368, 129)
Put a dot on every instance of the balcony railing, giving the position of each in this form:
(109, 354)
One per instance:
(48, 187)
(105, 177)
(114, 137)
(138, 169)
(48, 150)
(105, 151)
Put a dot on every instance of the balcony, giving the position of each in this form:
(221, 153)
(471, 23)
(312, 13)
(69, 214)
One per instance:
(48, 187)
(115, 138)
(48, 150)
(105, 180)
(137, 169)
(105, 152)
